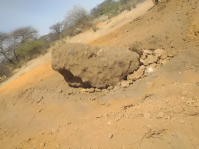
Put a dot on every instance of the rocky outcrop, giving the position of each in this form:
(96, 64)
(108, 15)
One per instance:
(92, 66)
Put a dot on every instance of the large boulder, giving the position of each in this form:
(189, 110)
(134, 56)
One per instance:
(91, 66)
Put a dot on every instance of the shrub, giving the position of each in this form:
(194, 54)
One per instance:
(76, 16)
(30, 48)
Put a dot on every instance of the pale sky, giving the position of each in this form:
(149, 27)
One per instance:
(37, 13)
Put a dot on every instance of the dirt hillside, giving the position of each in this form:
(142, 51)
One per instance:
(160, 110)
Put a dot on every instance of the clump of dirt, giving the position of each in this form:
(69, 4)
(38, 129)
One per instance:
(92, 66)
(151, 109)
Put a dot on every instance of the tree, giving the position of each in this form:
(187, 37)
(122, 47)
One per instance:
(57, 27)
(4, 38)
(29, 48)
(76, 16)
(19, 37)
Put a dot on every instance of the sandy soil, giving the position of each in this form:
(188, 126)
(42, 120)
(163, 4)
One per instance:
(161, 110)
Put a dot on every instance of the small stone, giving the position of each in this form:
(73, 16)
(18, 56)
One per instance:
(54, 131)
(57, 146)
(105, 91)
(116, 88)
(137, 74)
(147, 115)
(110, 135)
(159, 52)
(196, 104)
(163, 62)
(70, 92)
(68, 123)
(160, 114)
(182, 121)
(93, 98)
(60, 91)
(42, 145)
(177, 109)
(98, 90)
(110, 88)
(125, 84)
(149, 70)
(147, 52)
(90, 90)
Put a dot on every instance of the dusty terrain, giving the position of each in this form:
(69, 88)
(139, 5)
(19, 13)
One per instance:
(160, 110)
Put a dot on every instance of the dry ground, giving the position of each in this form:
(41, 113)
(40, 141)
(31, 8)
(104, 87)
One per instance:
(161, 110)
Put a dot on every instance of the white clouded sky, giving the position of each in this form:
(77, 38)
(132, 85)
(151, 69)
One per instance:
(37, 13)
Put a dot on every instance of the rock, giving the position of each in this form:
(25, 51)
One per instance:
(116, 88)
(149, 70)
(110, 135)
(54, 131)
(152, 59)
(91, 66)
(163, 62)
(159, 52)
(147, 52)
(57, 146)
(70, 92)
(90, 90)
(137, 74)
(149, 60)
(125, 84)
(98, 90)
(147, 115)
(177, 109)
(105, 91)
(196, 104)
(160, 114)
(60, 91)
(42, 145)
(182, 121)
(110, 88)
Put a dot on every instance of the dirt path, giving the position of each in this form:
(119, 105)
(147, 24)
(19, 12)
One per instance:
(160, 110)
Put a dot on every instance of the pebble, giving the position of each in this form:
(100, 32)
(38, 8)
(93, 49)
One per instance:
(54, 131)
(98, 90)
(116, 88)
(182, 121)
(125, 84)
(42, 144)
(110, 135)
(110, 88)
(197, 104)
(177, 109)
(160, 115)
(147, 115)
(57, 146)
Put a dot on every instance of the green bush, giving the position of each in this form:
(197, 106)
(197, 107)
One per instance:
(30, 48)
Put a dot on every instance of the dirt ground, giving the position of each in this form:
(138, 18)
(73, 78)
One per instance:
(39, 110)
